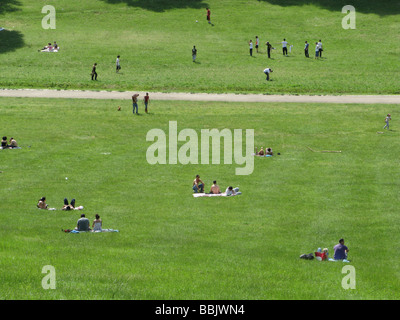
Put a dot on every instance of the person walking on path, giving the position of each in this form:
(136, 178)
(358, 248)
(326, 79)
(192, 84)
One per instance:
(94, 73)
(134, 103)
(194, 53)
(387, 119)
(306, 49)
(146, 100)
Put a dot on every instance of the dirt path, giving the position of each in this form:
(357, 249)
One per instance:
(230, 97)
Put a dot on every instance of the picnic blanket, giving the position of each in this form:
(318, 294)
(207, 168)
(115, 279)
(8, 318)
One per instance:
(257, 155)
(103, 230)
(344, 260)
(197, 195)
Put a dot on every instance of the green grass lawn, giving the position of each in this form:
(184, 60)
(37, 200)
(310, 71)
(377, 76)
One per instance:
(174, 246)
(155, 38)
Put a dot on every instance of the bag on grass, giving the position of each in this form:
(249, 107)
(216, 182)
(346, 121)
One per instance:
(309, 256)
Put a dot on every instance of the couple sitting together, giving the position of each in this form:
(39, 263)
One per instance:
(83, 224)
(198, 187)
(50, 48)
(9, 145)
(267, 152)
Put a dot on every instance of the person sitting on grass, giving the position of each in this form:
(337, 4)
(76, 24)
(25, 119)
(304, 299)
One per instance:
(13, 144)
(83, 224)
(4, 143)
(261, 152)
(97, 223)
(340, 251)
(230, 191)
(269, 151)
(198, 185)
(215, 188)
(42, 203)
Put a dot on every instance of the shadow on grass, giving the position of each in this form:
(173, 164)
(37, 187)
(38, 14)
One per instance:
(10, 40)
(9, 6)
(161, 5)
(381, 7)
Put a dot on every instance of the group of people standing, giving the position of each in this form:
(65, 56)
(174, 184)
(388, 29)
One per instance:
(318, 49)
(146, 101)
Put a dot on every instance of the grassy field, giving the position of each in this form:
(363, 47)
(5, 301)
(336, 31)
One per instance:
(174, 246)
(155, 38)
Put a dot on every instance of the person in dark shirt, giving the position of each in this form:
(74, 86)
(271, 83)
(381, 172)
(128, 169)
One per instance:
(94, 73)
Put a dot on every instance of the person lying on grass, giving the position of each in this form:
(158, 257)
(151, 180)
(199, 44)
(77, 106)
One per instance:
(70, 206)
(230, 191)
(198, 185)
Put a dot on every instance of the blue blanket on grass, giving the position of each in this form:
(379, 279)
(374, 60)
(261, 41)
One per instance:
(103, 230)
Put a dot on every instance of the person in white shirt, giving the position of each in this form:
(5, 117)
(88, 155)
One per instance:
(387, 119)
(118, 65)
(320, 48)
(230, 191)
(267, 71)
(251, 47)
(257, 43)
(316, 50)
(284, 47)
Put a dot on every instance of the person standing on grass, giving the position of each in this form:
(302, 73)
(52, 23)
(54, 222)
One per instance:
(387, 119)
(94, 73)
(251, 48)
(118, 66)
(316, 50)
(306, 49)
(134, 103)
(267, 71)
(146, 101)
(208, 15)
(340, 251)
(320, 48)
(257, 43)
(194, 53)
(269, 47)
(284, 47)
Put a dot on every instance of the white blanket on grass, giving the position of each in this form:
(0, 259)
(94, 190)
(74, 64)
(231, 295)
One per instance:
(197, 195)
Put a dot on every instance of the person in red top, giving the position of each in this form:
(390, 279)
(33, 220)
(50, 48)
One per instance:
(146, 101)
(208, 15)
